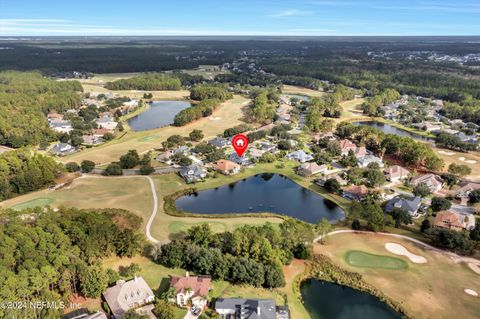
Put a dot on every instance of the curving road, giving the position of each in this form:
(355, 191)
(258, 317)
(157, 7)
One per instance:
(456, 258)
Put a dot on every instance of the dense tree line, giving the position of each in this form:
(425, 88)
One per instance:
(53, 254)
(147, 82)
(303, 81)
(263, 106)
(251, 254)
(373, 106)
(209, 91)
(22, 171)
(25, 99)
(453, 142)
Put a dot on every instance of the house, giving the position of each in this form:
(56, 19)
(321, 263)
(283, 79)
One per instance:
(255, 152)
(193, 173)
(226, 167)
(100, 132)
(466, 189)
(267, 147)
(433, 182)
(126, 295)
(246, 308)
(308, 169)
(455, 221)
(346, 146)
(165, 157)
(181, 150)
(191, 288)
(299, 156)
(240, 160)
(360, 151)
(61, 126)
(62, 149)
(364, 161)
(82, 313)
(54, 116)
(321, 181)
(355, 192)
(219, 142)
(92, 140)
(411, 205)
(396, 173)
(131, 103)
(106, 121)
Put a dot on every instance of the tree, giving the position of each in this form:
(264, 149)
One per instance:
(130, 270)
(113, 169)
(112, 276)
(356, 224)
(108, 136)
(440, 203)
(323, 228)
(267, 157)
(374, 177)
(93, 281)
(72, 167)
(375, 221)
(474, 196)
(421, 190)
(349, 160)
(475, 233)
(459, 169)
(200, 235)
(146, 169)
(274, 276)
(425, 225)
(132, 314)
(164, 310)
(331, 185)
(449, 179)
(196, 135)
(302, 251)
(400, 216)
(130, 160)
(87, 166)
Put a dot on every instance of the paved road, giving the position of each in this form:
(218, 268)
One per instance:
(456, 258)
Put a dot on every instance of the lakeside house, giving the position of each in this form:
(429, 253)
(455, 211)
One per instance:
(192, 289)
(250, 308)
(309, 169)
(100, 132)
(92, 140)
(321, 181)
(106, 121)
(126, 295)
(62, 149)
(193, 173)
(226, 167)
(364, 161)
(410, 205)
(432, 181)
(240, 160)
(396, 173)
(299, 156)
(355, 192)
(455, 221)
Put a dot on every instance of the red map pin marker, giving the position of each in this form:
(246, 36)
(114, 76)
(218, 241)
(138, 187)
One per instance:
(240, 144)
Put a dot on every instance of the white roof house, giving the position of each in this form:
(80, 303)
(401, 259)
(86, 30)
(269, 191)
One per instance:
(299, 156)
(364, 161)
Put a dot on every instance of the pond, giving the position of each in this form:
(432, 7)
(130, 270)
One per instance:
(158, 114)
(262, 193)
(389, 129)
(325, 300)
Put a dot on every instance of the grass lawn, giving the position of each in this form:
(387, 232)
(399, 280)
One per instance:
(431, 290)
(226, 116)
(290, 89)
(366, 260)
(351, 110)
(37, 202)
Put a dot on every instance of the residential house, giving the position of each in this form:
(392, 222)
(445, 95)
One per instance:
(309, 169)
(411, 205)
(226, 167)
(472, 139)
(182, 150)
(193, 173)
(433, 182)
(396, 173)
(131, 103)
(454, 220)
(299, 156)
(165, 157)
(92, 140)
(61, 126)
(364, 161)
(54, 116)
(191, 288)
(465, 189)
(62, 149)
(83, 313)
(360, 151)
(100, 132)
(355, 192)
(267, 146)
(240, 160)
(246, 308)
(255, 152)
(321, 181)
(219, 142)
(346, 146)
(106, 121)
(126, 295)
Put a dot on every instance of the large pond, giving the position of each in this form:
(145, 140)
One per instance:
(262, 193)
(324, 300)
(159, 113)
(389, 129)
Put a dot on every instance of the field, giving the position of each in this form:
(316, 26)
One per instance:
(290, 89)
(226, 116)
(362, 259)
(431, 290)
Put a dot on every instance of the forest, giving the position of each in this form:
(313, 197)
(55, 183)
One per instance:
(147, 82)
(52, 255)
(25, 99)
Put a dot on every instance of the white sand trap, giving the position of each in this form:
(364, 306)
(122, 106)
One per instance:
(398, 249)
(211, 118)
(471, 292)
(462, 159)
(446, 153)
(470, 161)
(475, 267)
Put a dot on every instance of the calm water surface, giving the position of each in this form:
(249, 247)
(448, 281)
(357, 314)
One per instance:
(325, 300)
(262, 193)
(160, 113)
(389, 129)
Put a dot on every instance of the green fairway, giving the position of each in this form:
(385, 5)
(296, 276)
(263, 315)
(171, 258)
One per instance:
(362, 259)
(181, 226)
(37, 202)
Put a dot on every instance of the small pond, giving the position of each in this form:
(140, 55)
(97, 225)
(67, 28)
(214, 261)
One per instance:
(262, 193)
(325, 300)
(158, 114)
(389, 129)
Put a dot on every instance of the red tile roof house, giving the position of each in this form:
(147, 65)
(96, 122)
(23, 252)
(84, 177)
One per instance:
(396, 173)
(355, 192)
(346, 146)
(454, 221)
(226, 167)
(191, 288)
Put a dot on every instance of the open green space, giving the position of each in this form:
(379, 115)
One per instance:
(358, 258)
(37, 202)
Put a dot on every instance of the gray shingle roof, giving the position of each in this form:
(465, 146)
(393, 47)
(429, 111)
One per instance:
(249, 308)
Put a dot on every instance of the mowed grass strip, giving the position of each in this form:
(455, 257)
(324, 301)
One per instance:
(37, 202)
(363, 259)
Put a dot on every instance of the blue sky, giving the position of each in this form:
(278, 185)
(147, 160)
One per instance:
(241, 17)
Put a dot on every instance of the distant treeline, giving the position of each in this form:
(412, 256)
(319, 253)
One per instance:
(210, 97)
(22, 171)
(25, 99)
(155, 82)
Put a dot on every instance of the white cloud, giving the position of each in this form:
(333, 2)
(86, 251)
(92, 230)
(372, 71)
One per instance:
(289, 13)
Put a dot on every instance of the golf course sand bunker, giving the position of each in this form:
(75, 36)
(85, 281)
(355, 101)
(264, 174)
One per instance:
(398, 249)
(471, 292)
(475, 267)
